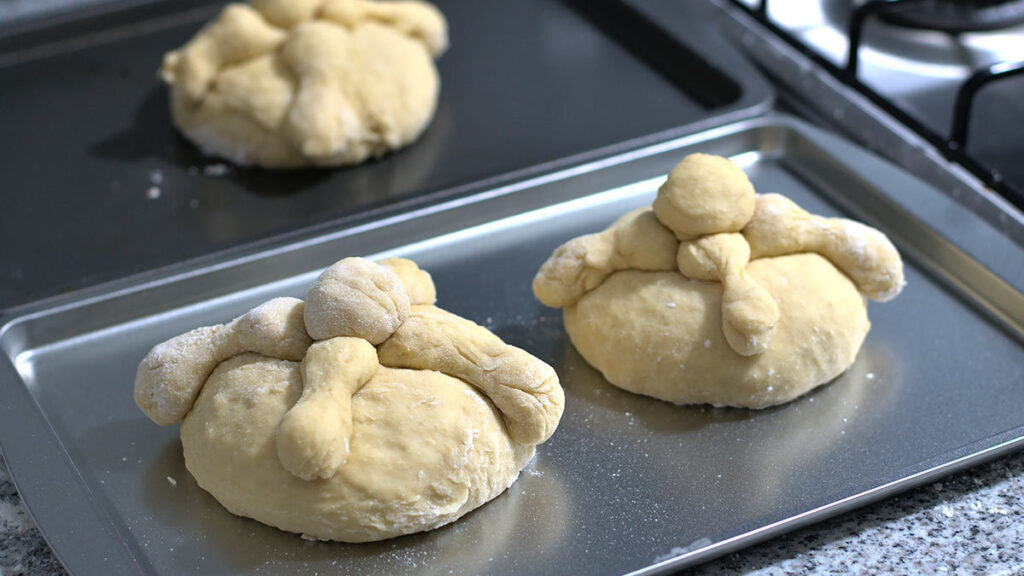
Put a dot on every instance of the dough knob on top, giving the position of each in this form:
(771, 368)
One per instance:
(705, 194)
(417, 282)
(358, 298)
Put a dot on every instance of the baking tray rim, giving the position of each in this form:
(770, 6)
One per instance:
(1002, 444)
(514, 180)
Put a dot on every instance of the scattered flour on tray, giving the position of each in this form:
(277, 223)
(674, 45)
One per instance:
(13, 518)
(216, 170)
(680, 550)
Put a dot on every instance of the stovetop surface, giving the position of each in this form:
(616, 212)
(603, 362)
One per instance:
(920, 72)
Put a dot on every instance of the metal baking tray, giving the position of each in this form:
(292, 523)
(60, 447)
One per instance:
(627, 484)
(527, 86)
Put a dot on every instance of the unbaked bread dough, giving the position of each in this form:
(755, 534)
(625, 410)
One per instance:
(339, 439)
(718, 295)
(292, 83)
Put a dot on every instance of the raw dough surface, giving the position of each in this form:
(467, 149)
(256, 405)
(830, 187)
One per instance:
(285, 83)
(657, 333)
(718, 295)
(337, 438)
(426, 448)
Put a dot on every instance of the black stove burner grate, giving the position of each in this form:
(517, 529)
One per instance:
(953, 146)
(956, 16)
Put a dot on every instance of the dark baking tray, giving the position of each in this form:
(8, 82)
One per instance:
(627, 483)
(528, 86)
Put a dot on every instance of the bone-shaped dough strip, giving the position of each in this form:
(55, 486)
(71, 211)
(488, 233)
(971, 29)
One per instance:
(524, 389)
(864, 254)
(238, 34)
(418, 20)
(313, 437)
(635, 241)
(704, 194)
(322, 121)
(749, 313)
(172, 373)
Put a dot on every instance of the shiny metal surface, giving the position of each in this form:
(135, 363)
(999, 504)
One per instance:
(920, 72)
(627, 484)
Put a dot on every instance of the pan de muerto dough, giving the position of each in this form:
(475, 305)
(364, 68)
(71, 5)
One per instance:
(292, 83)
(362, 414)
(717, 295)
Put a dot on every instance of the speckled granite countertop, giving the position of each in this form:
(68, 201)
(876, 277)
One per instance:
(969, 523)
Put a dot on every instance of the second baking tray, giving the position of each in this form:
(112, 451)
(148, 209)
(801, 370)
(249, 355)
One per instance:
(98, 185)
(627, 483)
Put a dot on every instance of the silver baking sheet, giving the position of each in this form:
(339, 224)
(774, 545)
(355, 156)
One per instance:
(627, 484)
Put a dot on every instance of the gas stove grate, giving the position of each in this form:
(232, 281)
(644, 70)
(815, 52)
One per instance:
(957, 16)
(969, 89)
(953, 145)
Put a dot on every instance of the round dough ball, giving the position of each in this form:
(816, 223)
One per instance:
(280, 86)
(659, 334)
(356, 297)
(705, 194)
(425, 450)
